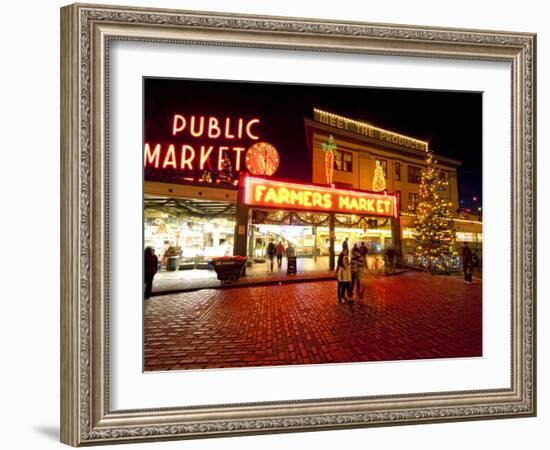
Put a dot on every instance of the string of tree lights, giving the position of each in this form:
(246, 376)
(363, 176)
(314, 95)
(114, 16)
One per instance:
(435, 229)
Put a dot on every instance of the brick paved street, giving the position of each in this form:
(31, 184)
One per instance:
(408, 316)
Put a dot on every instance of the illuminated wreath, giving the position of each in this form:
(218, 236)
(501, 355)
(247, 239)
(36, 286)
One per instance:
(262, 159)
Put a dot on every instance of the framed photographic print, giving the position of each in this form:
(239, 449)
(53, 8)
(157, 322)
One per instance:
(278, 225)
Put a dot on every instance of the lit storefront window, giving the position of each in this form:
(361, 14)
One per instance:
(188, 238)
(462, 236)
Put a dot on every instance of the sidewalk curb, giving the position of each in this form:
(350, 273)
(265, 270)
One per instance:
(327, 277)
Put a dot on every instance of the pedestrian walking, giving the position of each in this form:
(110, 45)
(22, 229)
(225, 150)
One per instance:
(364, 251)
(280, 253)
(290, 251)
(271, 252)
(357, 267)
(345, 245)
(467, 263)
(150, 266)
(343, 274)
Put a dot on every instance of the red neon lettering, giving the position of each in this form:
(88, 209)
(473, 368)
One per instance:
(317, 199)
(192, 127)
(170, 158)
(296, 197)
(307, 198)
(370, 204)
(220, 156)
(343, 202)
(240, 129)
(327, 201)
(271, 196)
(213, 124)
(238, 151)
(284, 195)
(178, 124)
(249, 126)
(353, 204)
(227, 134)
(204, 156)
(258, 191)
(151, 157)
(187, 160)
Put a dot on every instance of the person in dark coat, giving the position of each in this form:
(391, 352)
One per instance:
(150, 264)
(364, 251)
(271, 252)
(467, 262)
(345, 245)
(280, 253)
(356, 272)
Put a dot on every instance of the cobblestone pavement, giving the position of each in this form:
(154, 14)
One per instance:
(408, 316)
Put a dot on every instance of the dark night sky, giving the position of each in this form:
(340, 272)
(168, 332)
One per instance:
(450, 121)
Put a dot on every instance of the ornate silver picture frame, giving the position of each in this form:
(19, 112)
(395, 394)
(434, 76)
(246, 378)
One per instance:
(87, 32)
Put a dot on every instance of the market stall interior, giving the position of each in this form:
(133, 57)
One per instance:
(189, 234)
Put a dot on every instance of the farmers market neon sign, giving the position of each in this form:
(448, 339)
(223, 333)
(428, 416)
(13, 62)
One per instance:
(282, 195)
(223, 136)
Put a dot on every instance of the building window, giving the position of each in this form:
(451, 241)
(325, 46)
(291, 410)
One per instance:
(397, 171)
(413, 202)
(343, 161)
(443, 187)
(466, 237)
(384, 164)
(415, 174)
(398, 194)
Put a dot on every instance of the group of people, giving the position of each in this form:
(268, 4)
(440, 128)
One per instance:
(349, 272)
(279, 251)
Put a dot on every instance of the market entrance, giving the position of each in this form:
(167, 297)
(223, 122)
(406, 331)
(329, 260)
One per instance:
(314, 220)
(309, 236)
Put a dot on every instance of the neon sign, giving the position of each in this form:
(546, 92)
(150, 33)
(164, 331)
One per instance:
(368, 130)
(227, 134)
(283, 195)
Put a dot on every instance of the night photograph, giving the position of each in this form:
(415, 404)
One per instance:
(290, 224)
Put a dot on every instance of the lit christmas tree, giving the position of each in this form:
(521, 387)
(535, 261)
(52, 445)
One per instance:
(226, 172)
(379, 181)
(435, 231)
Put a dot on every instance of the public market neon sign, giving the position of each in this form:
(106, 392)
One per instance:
(186, 157)
(283, 195)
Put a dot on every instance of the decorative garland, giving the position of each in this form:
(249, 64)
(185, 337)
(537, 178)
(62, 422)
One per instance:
(361, 219)
(228, 210)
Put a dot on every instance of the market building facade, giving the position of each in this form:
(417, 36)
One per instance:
(191, 215)
(361, 147)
